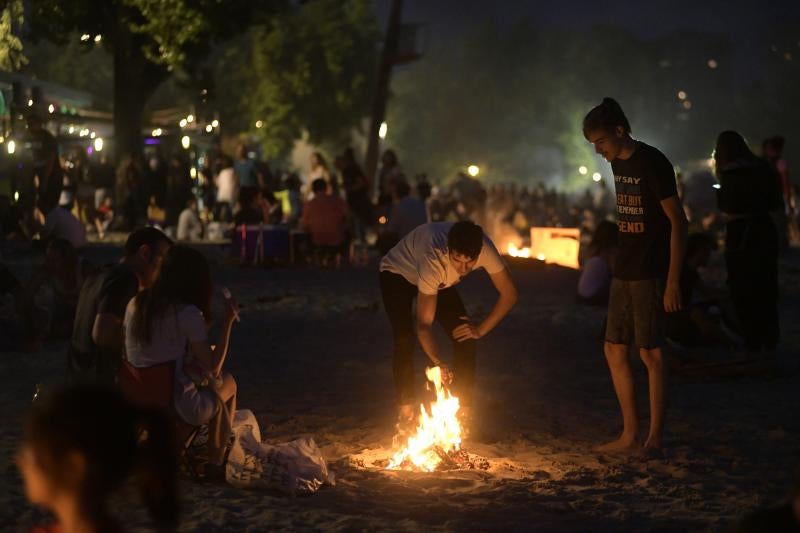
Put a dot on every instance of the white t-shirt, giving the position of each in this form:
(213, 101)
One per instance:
(189, 225)
(171, 332)
(227, 186)
(421, 257)
(62, 223)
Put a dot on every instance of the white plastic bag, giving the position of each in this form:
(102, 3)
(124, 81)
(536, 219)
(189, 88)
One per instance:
(295, 467)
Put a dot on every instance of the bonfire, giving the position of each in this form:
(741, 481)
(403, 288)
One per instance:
(437, 440)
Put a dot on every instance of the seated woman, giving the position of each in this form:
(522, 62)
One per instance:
(169, 322)
(81, 444)
(595, 280)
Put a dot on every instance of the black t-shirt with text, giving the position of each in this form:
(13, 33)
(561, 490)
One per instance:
(641, 182)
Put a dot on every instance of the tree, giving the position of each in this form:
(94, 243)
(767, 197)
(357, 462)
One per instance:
(11, 56)
(149, 40)
(512, 101)
(308, 71)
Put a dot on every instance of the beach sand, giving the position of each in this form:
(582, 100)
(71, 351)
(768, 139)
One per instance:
(312, 357)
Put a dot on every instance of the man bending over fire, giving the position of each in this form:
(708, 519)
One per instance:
(427, 263)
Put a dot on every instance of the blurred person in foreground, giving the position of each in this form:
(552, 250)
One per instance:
(652, 239)
(427, 264)
(746, 196)
(81, 444)
(97, 336)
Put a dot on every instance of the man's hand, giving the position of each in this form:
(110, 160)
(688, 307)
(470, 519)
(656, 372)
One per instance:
(447, 374)
(672, 297)
(466, 331)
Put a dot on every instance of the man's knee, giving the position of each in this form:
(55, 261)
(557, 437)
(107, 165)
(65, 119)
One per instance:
(652, 358)
(616, 354)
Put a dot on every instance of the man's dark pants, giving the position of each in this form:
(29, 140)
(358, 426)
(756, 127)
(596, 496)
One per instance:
(398, 296)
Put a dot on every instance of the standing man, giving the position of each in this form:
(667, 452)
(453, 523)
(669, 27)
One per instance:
(97, 340)
(48, 174)
(652, 241)
(426, 264)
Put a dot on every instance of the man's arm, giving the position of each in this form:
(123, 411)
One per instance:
(508, 297)
(107, 331)
(677, 249)
(426, 312)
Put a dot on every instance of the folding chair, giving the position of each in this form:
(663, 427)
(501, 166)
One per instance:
(152, 387)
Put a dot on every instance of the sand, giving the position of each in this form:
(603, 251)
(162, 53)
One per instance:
(312, 357)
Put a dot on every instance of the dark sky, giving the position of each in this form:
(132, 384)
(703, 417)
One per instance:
(733, 17)
(744, 21)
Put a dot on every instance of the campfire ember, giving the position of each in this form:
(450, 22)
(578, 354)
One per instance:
(436, 444)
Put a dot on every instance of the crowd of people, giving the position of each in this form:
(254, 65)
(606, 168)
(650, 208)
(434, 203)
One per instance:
(141, 325)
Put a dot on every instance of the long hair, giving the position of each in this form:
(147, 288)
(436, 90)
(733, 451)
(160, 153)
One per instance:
(606, 117)
(185, 278)
(97, 423)
(732, 147)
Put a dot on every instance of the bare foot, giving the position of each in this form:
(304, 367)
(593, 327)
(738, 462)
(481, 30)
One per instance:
(622, 444)
(653, 443)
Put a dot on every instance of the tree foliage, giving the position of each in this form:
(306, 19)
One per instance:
(307, 72)
(11, 18)
(513, 101)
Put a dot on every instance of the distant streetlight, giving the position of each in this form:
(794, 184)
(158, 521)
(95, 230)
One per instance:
(597, 176)
(11, 146)
(51, 108)
(186, 142)
(98, 38)
(473, 170)
(583, 170)
(190, 119)
(98, 144)
(712, 63)
(215, 123)
(193, 173)
(687, 104)
(30, 103)
(681, 95)
(209, 128)
(259, 123)
(182, 123)
(92, 135)
(383, 130)
(85, 37)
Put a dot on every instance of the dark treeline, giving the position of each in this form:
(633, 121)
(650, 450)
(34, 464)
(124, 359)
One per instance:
(511, 99)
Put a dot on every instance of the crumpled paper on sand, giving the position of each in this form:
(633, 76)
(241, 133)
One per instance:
(296, 467)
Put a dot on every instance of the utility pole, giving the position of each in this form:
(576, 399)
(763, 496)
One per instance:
(381, 95)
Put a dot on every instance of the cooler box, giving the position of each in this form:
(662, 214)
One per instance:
(252, 244)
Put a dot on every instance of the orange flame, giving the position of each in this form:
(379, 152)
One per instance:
(513, 251)
(438, 431)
